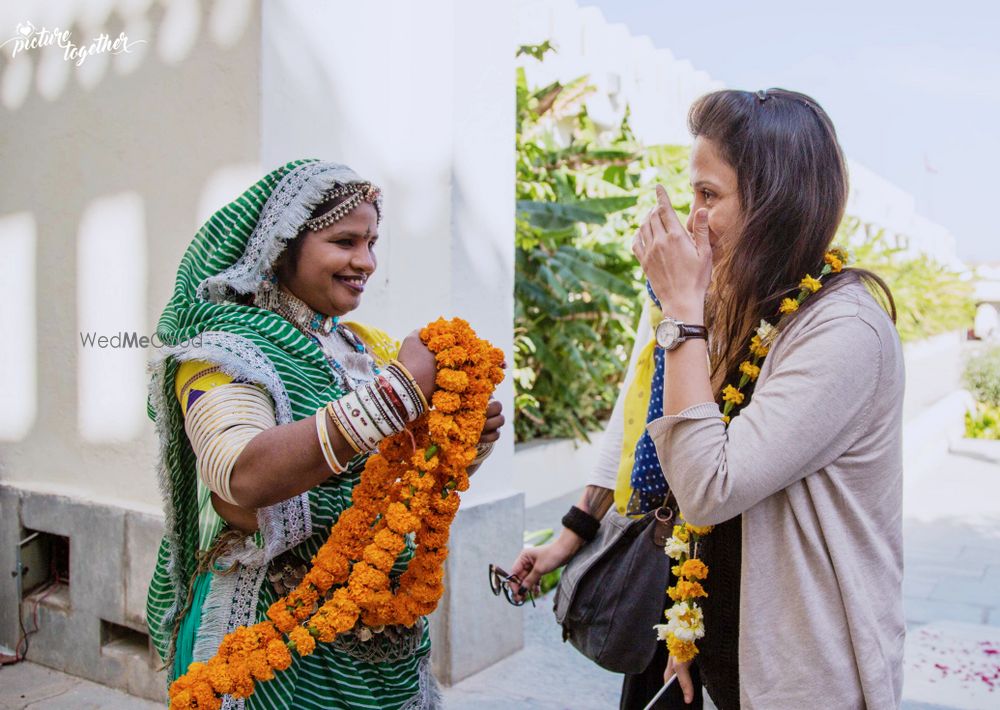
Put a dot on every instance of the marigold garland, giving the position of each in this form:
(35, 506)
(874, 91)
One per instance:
(685, 625)
(403, 490)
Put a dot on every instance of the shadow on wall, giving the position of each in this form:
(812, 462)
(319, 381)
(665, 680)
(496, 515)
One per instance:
(119, 158)
(111, 165)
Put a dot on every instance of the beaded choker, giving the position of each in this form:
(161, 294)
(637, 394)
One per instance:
(313, 324)
(274, 297)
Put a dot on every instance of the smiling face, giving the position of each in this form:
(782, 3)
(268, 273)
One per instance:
(715, 189)
(330, 268)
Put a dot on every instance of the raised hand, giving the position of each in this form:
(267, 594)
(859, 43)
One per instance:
(420, 361)
(677, 264)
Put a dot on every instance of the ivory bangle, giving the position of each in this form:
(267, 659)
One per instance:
(325, 444)
(220, 424)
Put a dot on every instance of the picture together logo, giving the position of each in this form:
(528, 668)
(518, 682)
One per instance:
(131, 339)
(28, 37)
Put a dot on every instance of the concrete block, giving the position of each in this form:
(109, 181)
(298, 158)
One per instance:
(83, 628)
(66, 640)
(142, 540)
(131, 665)
(10, 535)
(471, 628)
(96, 548)
(48, 512)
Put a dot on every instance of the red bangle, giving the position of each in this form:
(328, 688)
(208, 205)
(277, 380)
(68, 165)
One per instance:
(390, 393)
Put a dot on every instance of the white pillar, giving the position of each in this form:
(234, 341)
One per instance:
(419, 97)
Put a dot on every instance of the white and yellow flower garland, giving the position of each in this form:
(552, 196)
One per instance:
(685, 623)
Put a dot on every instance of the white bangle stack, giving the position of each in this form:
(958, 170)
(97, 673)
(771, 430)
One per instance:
(379, 409)
(220, 424)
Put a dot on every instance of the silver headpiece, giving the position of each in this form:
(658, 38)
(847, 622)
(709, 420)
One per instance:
(355, 193)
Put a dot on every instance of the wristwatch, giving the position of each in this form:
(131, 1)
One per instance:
(670, 333)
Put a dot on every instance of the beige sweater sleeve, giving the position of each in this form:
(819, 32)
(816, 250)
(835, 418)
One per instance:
(812, 401)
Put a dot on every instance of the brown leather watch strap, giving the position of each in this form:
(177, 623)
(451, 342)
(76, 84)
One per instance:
(692, 331)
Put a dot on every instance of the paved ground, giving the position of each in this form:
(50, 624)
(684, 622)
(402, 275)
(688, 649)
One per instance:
(951, 599)
(951, 585)
(28, 685)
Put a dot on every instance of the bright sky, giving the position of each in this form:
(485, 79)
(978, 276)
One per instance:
(912, 87)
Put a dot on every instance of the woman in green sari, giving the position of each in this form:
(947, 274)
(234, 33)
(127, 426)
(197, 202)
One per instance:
(267, 405)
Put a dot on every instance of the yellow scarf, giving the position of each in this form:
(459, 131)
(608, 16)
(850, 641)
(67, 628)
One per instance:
(636, 408)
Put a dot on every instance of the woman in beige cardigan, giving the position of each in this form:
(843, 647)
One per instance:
(808, 477)
(813, 462)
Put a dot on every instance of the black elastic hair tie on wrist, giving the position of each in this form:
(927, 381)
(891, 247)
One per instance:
(582, 523)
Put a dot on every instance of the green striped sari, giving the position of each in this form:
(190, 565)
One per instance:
(227, 259)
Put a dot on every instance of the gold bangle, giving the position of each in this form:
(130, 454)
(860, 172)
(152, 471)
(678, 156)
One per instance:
(340, 427)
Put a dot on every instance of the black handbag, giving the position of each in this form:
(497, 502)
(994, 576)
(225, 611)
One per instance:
(614, 590)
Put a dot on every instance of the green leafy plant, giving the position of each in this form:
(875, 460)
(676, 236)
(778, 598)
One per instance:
(983, 422)
(580, 193)
(930, 298)
(982, 378)
(577, 285)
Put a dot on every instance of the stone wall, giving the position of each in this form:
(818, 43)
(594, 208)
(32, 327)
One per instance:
(94, 624)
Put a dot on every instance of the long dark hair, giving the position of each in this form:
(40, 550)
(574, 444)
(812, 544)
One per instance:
(792, 182)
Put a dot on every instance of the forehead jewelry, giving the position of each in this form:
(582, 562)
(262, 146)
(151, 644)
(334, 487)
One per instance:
(762, 95)
(355, 193)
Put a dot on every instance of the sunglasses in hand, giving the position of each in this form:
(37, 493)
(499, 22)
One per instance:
(507, 583)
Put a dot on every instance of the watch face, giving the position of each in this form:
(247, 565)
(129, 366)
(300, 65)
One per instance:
(667, 333)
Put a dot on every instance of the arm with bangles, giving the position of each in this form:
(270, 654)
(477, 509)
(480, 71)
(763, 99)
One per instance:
(278, 463)
(283, 461)
(249, 462)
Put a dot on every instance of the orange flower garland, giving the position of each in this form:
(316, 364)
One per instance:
(402, 490)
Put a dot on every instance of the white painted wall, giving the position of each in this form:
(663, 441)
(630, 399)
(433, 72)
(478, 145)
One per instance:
(110, 168)
(418, 98)
(549, 468)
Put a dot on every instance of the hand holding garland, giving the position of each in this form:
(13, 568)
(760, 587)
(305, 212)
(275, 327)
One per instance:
(266, 472)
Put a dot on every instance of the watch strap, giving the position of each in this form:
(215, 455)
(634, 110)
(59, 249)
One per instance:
(692, 331)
